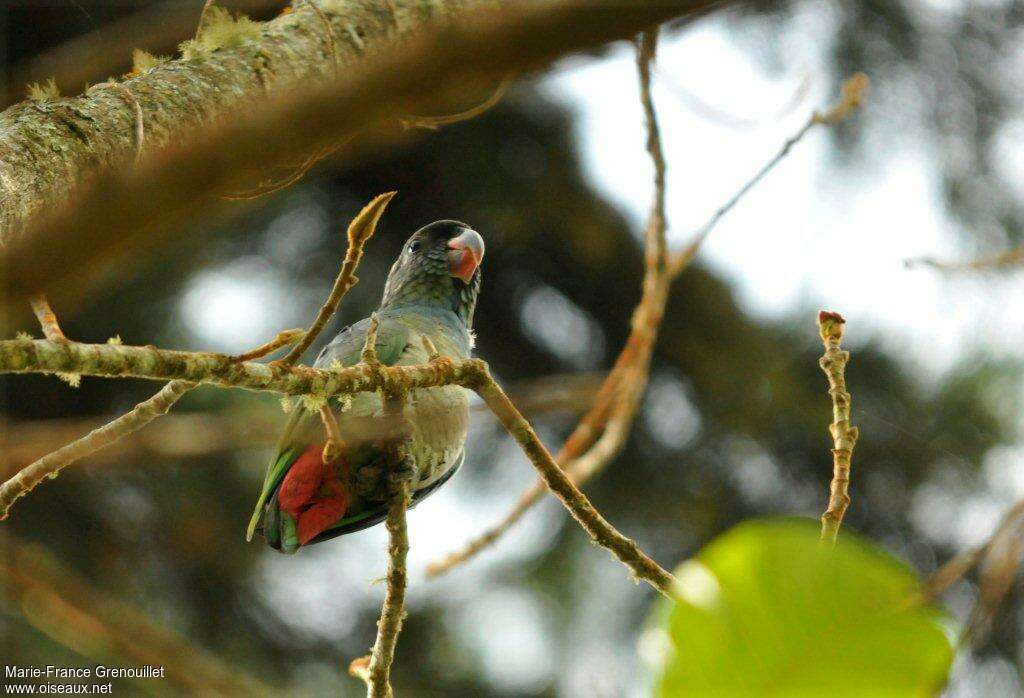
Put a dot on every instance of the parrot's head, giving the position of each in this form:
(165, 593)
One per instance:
(439, 265)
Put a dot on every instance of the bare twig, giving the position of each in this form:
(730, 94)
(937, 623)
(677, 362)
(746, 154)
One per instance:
(434, 122)
(50, 465)
(602, 532)
(999, 557)
(852, 95)
(618, 399)
(195, 434)
(332, 448)
(360, 230)
(844, 436)
(368, 354)
(375, 670)
(47, 319)
(1013, 257)
(152, 363)
(953, 570)
(52, 331)
(282, 339)
(44, 356)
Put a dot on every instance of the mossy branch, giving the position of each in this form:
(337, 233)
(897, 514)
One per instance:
(195, 156)
(124, 361)
(50, 465)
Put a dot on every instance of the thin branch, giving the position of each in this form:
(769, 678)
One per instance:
(435, 122)
(332, 447)
(50, 465)
(844, 436)
(44, 356)
(611, 403)
(47, 319)
(152, 363)
(282, 339)
(194, 434)
(1014, 257)
(850, 99)
(618, 399)
(375, 670)
(602, 532)
(999, 557)
(360, 230)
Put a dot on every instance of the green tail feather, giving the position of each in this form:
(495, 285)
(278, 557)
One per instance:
(274, 475)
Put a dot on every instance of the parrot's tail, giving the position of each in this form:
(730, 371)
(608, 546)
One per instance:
(309, 499)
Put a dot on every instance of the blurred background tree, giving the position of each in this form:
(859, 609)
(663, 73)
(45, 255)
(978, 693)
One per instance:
(733, 425)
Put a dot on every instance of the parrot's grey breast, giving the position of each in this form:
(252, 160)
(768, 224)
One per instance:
(440, 422)
(439, 416)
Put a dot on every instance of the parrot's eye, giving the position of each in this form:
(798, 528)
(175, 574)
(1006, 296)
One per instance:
(415, 246)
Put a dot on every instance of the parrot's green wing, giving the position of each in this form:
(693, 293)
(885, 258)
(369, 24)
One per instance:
(346, 348)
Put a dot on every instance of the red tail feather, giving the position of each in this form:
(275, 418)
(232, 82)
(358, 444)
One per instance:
(321, 516)
(312, 494)
(302, 481)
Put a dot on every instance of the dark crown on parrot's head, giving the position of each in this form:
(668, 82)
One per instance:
(439, 266)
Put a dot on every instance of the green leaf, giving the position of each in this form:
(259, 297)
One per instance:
(765, 609)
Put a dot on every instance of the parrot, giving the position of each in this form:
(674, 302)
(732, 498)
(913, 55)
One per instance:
(430, 293)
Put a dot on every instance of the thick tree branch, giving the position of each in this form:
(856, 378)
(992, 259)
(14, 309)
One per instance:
(185, 181)
(47, 147)
(92, 57)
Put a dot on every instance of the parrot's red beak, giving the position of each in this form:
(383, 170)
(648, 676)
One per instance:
(465, 252)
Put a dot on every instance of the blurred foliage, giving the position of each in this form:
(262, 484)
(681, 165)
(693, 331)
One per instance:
(733, 427)
(767, 609)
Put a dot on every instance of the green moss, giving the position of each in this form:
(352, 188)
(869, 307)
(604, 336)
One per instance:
(143, 61)
(220, 30)
(41, 91)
